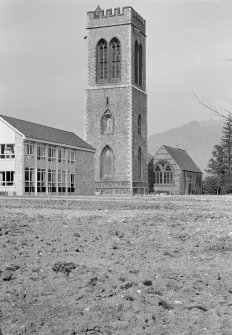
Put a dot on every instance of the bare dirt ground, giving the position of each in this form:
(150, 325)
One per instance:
(145, 265)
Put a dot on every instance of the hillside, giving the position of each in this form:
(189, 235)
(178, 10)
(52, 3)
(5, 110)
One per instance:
(197, 137)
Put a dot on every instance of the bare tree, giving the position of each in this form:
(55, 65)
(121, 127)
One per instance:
(219, 111)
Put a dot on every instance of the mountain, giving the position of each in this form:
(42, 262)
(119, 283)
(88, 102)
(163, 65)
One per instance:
(196, 137)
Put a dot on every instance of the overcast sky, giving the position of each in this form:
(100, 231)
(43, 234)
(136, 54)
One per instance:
(43, 59)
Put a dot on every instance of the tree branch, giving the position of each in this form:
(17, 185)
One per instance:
(218, 111)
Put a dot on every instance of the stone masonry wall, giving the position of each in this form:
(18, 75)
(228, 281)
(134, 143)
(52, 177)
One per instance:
(84, 172)
(119, 141)
(139, 100)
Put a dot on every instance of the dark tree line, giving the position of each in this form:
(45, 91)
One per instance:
(219, 168)
(220, 165)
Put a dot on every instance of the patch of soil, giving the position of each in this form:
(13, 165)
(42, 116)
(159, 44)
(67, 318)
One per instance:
(113, 266)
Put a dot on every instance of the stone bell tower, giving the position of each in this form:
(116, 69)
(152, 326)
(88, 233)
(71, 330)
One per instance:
(116, 100)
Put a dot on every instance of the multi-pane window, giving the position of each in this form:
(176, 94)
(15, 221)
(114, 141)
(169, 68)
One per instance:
(61, 181)
(41, 152)
(61, 155)
(102, 60)
(71, 182)
(52, 180)
(158, 175)
(108, 61)
(29, 180)
(7, 151)
(41, 180)
(6, 178)
(71, 156)
(167, 175)
(51, 153)
(115, 59)
(163, 173)
(107, 163)
(29, 148)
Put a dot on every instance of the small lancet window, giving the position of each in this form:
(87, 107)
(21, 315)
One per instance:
(139, 125)
(139, 164)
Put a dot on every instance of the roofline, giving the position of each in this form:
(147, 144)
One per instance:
(37, 124)
(60, 144)
(43, 141)
(12, 127)
(168, 146)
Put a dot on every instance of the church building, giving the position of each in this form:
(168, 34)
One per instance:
(116, 100)
(175, 172)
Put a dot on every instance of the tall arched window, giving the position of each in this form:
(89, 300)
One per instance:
(102, 60)
(107, 163)
(139, 125)
(163, 173)
(136, 62)
(139, 164)
(140, 65)
(158, 175)
(115, 59)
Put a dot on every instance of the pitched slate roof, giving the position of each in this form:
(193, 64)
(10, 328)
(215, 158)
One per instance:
(39, 132)
(182, 159)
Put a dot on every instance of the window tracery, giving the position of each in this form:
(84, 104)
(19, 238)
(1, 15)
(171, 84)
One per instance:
(102, 60)
(163, 173)
(108, 60)
(115, 58)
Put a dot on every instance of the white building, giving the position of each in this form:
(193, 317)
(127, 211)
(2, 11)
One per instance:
(36, 159)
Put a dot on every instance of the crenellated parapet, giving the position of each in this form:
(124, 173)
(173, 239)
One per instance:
(116, 16)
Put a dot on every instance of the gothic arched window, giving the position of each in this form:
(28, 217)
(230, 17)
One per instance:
(102, 63)
(139, 125)
(140, 65)
(136, 62)
(139, 164)
(107, 163)
(115, 59)
(163, 173)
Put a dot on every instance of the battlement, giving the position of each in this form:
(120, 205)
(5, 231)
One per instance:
(127, 12)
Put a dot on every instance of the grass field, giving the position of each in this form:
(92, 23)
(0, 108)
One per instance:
(124, 265)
